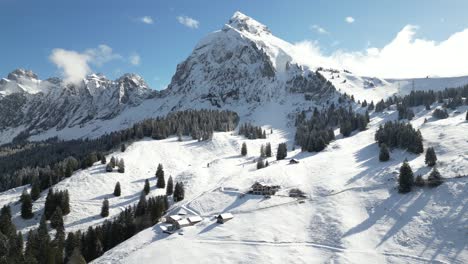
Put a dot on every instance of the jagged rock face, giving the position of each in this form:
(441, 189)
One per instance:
(59, 105)
(243, 62)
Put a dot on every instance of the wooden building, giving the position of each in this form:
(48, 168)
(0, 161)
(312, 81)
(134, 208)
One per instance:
(223, 218)
(260, 189)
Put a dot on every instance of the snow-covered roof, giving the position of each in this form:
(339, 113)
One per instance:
(175, 217)
(195, 219)
(225, 216)
(183, 222)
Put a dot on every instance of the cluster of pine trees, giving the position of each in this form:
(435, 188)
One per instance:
(114, 162)
(56, 200)
(400, 135)
(97, 240)
(315, 133)
(406, 179)
(53, 160)
(251, 132)
(440, 113)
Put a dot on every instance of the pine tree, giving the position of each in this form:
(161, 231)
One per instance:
(179, 192)
(56, 220)
(262, 151)
(65, 202)
(103, 160)
(35, 190)
(434, 179)
(260, 164)
(6, 225)
(244, 149)
(105, 208)
(431, 157)
(117, 189)
(466, 116)
(406, 178)
(26, 206)
(121, 166)
(113, 162)
(146, 189)
(109, 167)
(160, 182)
(122, 148)
(282, 151)
(266, 164)
(141, 206)
(170, 186)
(384, 154)
(268, 149)
(419, 181)
(76, 257)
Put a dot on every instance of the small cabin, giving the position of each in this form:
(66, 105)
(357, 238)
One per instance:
(293, 161)
(181, 223)
(172, 219)
(223, 218)
(261, 189)
(194, 219)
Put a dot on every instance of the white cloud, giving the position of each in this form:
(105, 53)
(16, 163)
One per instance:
(134, 59)
(147, 20)
(404, 57)
(75, 65)
(188, 21)
(319, 29)
(349, 19)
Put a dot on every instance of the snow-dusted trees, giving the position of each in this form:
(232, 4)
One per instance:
(262, 151)
(123, 148)
(146, 188)
(251, 132)
(244, 149)
(440, 113)
(260, 164)
(282, 151)
(179, 192)
(404, 112)
(268, 149)
(121, 166)
(56, 199)
(406, 178)
(109, 167)
(431, 157)
(105, 208)
(400, 135)
(384, 154)
(160, 181)
(56, 220)
(26, 205)
(170, 186)
(117, 190)
(35, 189)
(434, 179)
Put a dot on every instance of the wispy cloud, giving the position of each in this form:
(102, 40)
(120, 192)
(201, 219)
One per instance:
(349, 19)
(74, 65)
(147, 20)
(134, 59)
(319, 29)
(188, 21)
(404, 57)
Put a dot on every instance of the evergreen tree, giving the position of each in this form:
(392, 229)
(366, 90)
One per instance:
(103, 159)
(406, 178)
(282, 151)
(262, 151)
(122, 148)
(419, 181)
(260, 164)
(466, 116)
(141, 206)
(244, 149)
(109, 167)
(431, 157)
(117, 189)
(268, 149)
(384, 154)
(35, 190)
(146, 188)
(113, 162)
(179, 192)
(434, 179)
(26, 206)
(266, 164)
(160, 182)
(6, 225)
(170, 186)
(76, 257)
(56, 220)
(105, 208)
(121, 166)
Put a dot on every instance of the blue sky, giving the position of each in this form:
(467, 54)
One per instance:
(151, 37)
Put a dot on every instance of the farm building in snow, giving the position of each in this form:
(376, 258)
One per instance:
(194, 219)
(223, 218)
(173, 219)
(261, 189)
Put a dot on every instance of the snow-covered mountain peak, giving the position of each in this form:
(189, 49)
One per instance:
(20, 81)
(19, 74)
(245, 23)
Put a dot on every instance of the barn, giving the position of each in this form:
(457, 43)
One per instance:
(223, 218)
(263, 189)
(194, 219)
